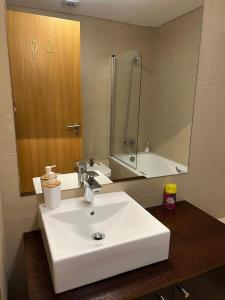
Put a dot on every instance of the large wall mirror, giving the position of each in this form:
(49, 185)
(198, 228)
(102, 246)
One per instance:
(110, 83)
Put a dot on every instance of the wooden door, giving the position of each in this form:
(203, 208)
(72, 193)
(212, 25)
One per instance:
(45, 71)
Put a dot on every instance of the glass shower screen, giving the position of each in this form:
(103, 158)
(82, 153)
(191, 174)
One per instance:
(125, 106)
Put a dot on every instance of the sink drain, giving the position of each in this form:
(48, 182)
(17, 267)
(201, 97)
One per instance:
(98, 236)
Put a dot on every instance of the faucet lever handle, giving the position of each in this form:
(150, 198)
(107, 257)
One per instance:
(92, 183)
(91, 187)
(90, 180)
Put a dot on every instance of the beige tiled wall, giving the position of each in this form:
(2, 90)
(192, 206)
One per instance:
(3, 273)
(129, 89)
(176, 54)
(99, 40)
(19, 213)
(203, 185)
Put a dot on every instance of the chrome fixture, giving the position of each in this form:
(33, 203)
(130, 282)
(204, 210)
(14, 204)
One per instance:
(124, 127)
(91, 162)
(86, 180)
(81, 168)
(71, 2)
(73, 126)
(134, 61)
(130, 141)
(161, 297)
(112, 97)
(91, 187)
(98, 236)
(183, 291)
(83, 174)
(179, 171)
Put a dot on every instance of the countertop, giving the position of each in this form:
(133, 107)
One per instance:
(70, 181)
(197, 246)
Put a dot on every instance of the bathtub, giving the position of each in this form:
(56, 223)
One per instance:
(146, 164)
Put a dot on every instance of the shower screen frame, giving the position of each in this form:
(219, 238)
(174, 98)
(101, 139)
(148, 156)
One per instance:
(129, 146)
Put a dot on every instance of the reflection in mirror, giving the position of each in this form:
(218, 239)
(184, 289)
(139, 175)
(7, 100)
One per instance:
(62, 73)
(125, 106)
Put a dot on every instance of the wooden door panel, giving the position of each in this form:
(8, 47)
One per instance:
(45, 71)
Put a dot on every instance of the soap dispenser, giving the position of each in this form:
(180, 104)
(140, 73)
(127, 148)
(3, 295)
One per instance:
(48, 169)
(52, 191)
(147, 148)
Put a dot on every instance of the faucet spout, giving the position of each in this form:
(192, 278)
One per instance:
(91, 187)
(86, 179)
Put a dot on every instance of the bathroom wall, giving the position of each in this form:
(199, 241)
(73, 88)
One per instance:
(3, 273)
(127, 94)
(203, 185)
(176, 54)
(99, 40)
(169, 56)
(19, 213)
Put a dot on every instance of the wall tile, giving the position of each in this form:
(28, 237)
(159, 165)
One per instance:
(14, 244)
(204, 59)
(175, 71)
(9, 172)
(217, 62)
(19, 208)
(3, 270)
(209, 119)
(204, 182)
(7, 128)
(203, 115)
(208, 13)
(4, 65)
(218, 21)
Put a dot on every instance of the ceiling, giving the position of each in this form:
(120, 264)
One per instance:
(151, 13)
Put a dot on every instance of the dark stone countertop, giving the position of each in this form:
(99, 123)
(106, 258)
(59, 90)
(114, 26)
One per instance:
(197, 246)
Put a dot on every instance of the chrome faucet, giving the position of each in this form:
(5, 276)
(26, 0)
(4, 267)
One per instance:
(91, 186)
(86, 179)
(130, 141)
(81, 168)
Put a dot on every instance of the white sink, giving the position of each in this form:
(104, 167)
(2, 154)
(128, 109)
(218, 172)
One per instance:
(133, 239)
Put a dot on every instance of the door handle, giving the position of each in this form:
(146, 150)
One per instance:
(73, 126)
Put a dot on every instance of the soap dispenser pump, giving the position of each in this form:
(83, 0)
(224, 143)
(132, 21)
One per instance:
(45, 177)
(48, 169)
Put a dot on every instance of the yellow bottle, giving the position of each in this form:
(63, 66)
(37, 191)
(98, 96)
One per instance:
(169, 197)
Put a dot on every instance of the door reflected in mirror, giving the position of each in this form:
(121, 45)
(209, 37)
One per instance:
(114, 90)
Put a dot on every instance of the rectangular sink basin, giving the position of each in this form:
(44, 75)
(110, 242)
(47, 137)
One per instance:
(89, 242)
